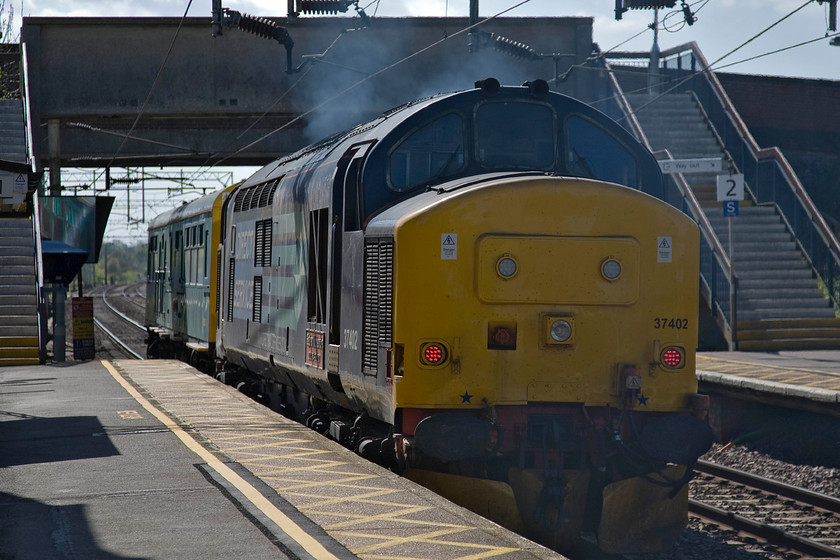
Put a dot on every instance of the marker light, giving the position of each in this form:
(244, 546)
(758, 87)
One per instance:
(672, 357)
(611, 269)
(506, 267)
(433, 354)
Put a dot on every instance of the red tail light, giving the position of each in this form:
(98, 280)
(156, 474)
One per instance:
(673, 357)
(433, 353)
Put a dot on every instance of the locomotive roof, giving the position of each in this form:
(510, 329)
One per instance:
(195, 207)
(377, 129)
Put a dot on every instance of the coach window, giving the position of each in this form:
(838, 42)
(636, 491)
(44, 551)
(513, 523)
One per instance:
(188, 255)
(202, 254)
(515, 135)
(594, 153)
(428, 154)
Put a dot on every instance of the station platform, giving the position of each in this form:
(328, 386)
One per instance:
(151, 459)
(805, 379)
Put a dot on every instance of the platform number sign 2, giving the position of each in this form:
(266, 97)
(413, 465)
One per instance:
(730, 187)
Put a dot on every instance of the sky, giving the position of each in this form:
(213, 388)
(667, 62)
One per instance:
(739, 36)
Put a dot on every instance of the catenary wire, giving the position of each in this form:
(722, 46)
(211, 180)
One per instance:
(367, 78)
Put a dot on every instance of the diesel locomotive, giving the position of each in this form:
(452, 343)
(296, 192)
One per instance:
(480, 290)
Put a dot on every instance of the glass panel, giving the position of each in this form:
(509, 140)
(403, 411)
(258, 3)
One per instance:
(518, 135)
(429, 153)
(594, 153)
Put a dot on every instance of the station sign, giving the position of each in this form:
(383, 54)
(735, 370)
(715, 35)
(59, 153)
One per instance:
(83, 340)
(696, 165)
(12, 184)
(730, 187)
(730, 208)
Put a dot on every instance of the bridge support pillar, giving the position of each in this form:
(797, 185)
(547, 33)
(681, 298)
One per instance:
(54, 147)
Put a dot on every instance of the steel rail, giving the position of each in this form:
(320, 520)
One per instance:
(123, 316)
(797, 493)
(766, 531)
(769, 533)
(123, 346)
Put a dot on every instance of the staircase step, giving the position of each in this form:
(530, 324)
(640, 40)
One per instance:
(20, 330)
(764, 314)
(789, 344)
(765, 324)
(756, 268)
(19, 352)
(768, 302)
(18, 341)
(781, 292)
(788, 334)
(801, 282)
(17, 280)
(11, 295)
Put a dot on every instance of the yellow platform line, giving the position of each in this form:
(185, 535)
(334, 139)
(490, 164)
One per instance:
(431, 538)
(309, 544)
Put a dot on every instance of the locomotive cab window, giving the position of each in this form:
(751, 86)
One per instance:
(429, 153)
(594, 153)
(515, 135)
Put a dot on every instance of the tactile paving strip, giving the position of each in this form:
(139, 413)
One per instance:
(371, 511)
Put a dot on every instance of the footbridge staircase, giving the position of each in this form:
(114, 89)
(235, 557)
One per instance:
(22, 307)
(769, 276)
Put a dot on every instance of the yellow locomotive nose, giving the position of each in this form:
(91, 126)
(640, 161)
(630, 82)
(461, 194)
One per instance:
(542, 289)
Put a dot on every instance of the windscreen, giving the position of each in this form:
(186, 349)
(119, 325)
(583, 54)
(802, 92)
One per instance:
(515, 135)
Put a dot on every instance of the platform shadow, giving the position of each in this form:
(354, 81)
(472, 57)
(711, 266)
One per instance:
(49, 440)
(32, 529)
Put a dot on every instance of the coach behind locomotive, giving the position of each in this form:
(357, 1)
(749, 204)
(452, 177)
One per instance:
(481, 290)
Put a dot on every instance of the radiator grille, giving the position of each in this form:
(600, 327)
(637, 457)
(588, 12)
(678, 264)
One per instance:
(231, 272)
(218, 288)
(257, 312)
(378, 302)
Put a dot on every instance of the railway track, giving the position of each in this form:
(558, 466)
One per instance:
(119, 313)
(788, 517)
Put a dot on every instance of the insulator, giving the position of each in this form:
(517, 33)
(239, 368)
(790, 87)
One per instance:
(259, 26)
(648, 4)
(323, 6)
(514, 48)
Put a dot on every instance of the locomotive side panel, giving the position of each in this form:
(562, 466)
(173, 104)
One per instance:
(276, 282)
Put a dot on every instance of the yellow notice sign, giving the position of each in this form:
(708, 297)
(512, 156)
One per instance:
(83, 341)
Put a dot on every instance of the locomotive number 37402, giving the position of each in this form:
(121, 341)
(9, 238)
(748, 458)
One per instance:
(676, 323)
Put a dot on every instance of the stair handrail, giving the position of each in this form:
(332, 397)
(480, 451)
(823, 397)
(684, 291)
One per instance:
(42, 309)
(691, 206)
(30, 138)
(40, 294)
(624, 105)
(773, 155)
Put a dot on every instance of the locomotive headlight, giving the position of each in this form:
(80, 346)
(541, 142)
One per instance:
(559, 330)
(506, 267)
(611, 269)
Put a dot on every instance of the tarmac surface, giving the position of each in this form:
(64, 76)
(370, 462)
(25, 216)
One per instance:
(150, 459)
